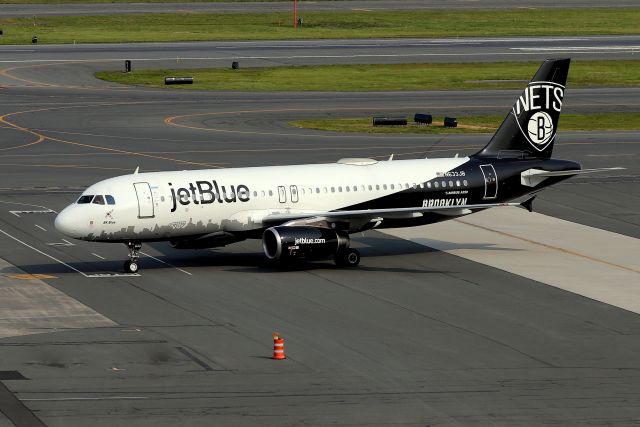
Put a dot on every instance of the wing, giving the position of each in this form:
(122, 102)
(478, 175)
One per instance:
(373, 215)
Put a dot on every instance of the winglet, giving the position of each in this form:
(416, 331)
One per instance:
(390, 157)
(135, 172)
(528, 204)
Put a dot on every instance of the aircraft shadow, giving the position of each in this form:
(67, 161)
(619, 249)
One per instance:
(252, 260)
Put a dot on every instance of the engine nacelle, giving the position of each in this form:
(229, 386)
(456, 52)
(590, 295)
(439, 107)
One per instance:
(312, 243)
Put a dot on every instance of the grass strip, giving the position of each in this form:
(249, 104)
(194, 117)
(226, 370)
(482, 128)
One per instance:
(397, 77)
(130, 1)
(474, 124)
(344, 24)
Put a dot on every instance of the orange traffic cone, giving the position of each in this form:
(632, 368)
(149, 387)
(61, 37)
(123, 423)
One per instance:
(278, 347)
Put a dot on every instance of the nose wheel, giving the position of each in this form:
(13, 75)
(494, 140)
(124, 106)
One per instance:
(131, 265)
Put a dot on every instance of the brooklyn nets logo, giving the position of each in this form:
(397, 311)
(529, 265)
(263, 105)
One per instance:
(537, 111)
(540, 128)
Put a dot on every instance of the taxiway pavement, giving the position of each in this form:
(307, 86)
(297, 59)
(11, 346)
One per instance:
(414, 336)
(317, 52)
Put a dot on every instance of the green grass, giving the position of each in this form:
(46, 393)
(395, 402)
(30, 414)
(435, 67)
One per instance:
(409, 77)
(129, 1)
(475, 124)
(351, 24)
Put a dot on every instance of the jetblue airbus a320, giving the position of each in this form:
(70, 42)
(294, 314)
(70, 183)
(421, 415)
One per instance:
(309, 211)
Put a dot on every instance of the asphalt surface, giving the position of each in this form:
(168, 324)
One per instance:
(413, 337)
(310, 52)
(28, 10)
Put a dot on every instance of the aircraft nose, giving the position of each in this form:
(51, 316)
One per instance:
(67, 223)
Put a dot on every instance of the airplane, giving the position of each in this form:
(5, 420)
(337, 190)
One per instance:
(307, 212)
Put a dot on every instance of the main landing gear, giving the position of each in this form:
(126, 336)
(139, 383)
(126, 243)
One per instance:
(347, 258)
(131, 265)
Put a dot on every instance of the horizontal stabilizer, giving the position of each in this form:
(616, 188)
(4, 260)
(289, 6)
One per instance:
(570, 172)
(533, 177)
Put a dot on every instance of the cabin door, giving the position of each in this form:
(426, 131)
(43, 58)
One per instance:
(490, 181)
(145, 199)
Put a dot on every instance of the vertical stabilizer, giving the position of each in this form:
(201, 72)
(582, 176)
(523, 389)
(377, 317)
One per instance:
(530, 127)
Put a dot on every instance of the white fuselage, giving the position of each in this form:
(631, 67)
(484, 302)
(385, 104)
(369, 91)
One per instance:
(168, 205)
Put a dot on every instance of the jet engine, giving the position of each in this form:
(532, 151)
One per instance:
(311, 243)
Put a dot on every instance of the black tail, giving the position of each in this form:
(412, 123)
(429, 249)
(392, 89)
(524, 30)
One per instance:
(529, 129)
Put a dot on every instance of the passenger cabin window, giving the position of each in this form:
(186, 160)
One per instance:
(110, 199)
(98, 200)
(84, 199)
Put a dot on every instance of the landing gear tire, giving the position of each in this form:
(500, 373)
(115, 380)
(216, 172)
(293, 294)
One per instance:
(348, 258)
(130, 267)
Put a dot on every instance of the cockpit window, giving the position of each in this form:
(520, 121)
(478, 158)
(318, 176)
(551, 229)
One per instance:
(110, 199)
(84, 199)
(98, 200)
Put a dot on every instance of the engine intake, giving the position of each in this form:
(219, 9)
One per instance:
(312, 243)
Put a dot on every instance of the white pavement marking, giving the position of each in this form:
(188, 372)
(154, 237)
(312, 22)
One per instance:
(43, 253)
(17, 213)
(44, 208)
(166, 263)
(96, 255)
(89, 276)
(579, 48)
(64, 242)
(279, 57)
(56, 399)
(41, 228)
(107, 275)
(594, 263)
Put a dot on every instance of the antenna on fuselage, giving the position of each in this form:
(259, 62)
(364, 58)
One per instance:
(135, 172)
(390, 158)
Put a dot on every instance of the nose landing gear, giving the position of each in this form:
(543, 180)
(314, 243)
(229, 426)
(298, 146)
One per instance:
(131, 265)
